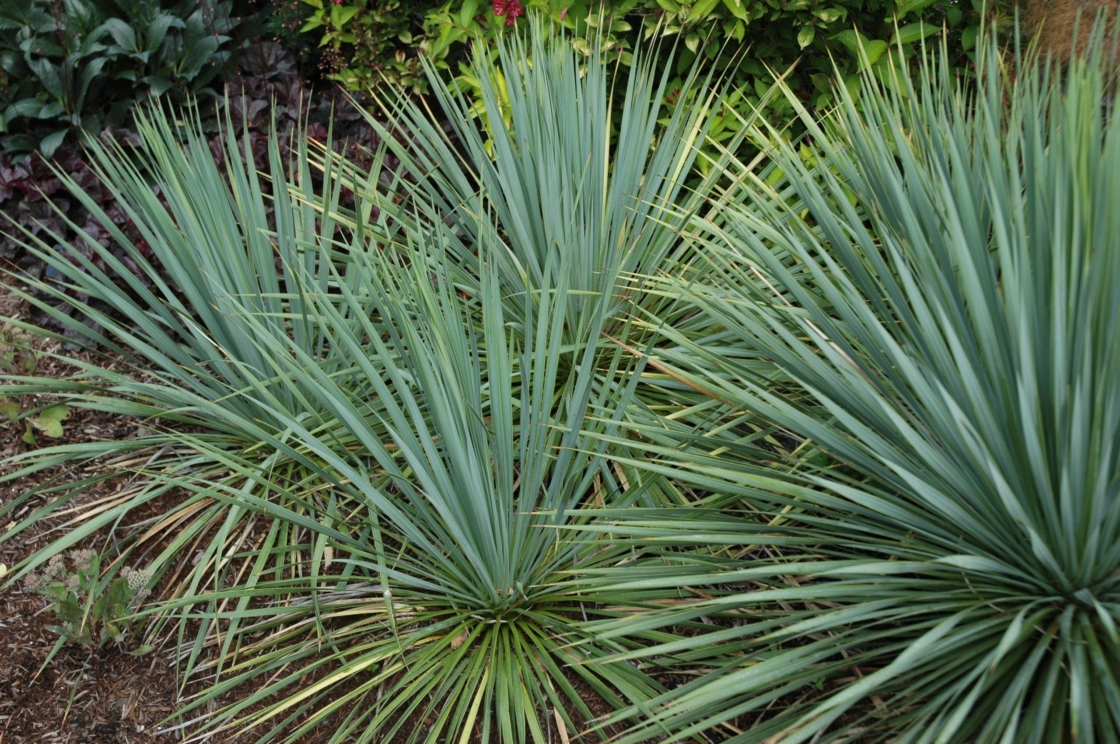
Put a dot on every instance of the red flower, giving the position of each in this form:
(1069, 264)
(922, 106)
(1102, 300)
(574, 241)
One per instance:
(511, 7)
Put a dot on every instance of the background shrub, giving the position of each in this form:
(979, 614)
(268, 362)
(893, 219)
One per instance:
(369, 43)
(83, 64)
(752, 40)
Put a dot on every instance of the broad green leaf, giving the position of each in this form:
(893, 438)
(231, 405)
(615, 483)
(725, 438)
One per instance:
(905, 7)
(805, 36)
(831, 15)
(468, 11)
(913, 32)
(968, 37)
(52, 142)
(738, 8)
(9, 409)
(341, 14)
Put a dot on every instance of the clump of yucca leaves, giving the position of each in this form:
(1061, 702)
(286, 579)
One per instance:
(368, 428)
(465, 457)
(939, 294)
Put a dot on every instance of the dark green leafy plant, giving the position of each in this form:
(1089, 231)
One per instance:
(91, 609)
(941, 562)
(750, 43)
(373, 42)
(81, 65)
(16, 356)
(283, 20)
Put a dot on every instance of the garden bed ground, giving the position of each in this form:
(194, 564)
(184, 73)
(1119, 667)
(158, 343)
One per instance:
(64, 701)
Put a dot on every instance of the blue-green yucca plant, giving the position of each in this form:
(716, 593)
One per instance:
(488, 303)
(227, 239)
(458, 613)
(379, 447)
(947, 569)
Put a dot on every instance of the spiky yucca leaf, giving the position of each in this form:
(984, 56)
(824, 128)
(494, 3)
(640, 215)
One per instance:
(462, 608)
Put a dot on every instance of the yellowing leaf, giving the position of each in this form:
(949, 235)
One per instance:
(58, 413)
(50, 421)
(9, 410)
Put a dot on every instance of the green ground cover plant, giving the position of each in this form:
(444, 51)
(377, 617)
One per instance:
(823, 448)
(91, 611)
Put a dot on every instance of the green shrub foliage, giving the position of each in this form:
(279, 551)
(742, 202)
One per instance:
(372, 42)
(753, 39)
(70, 65)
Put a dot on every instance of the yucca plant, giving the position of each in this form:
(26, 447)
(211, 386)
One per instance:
(561, 168)
(373, 438)
(943, 562)
(459, 616)
(226, 239)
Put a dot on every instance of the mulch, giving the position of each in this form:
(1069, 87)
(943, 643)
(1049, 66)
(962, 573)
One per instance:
(74, 699)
